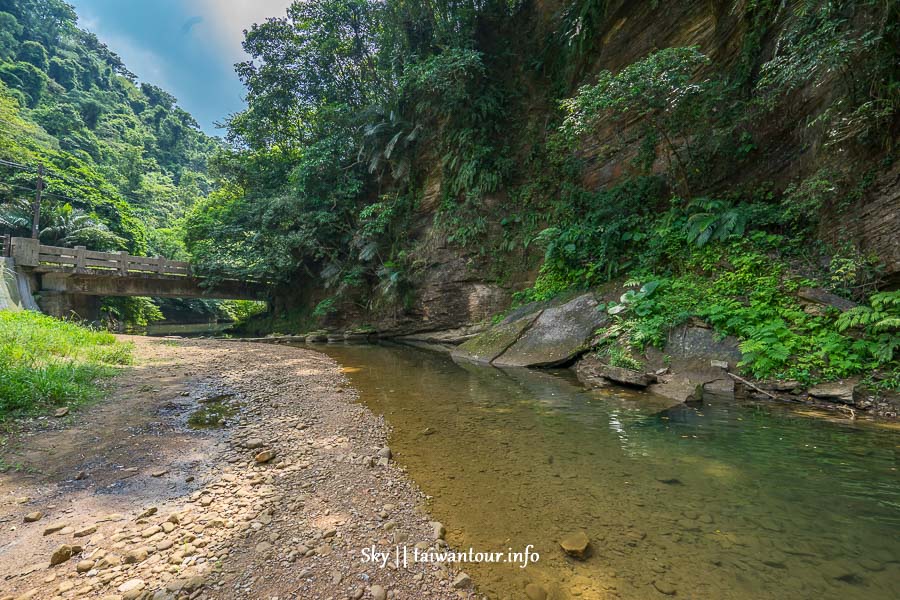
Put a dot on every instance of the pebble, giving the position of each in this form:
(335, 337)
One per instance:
(136, 555)
(61, 555)
(148, 512)
(33, 517)
(86, 531)
(84, 566)
(265, 456)
(378, 592)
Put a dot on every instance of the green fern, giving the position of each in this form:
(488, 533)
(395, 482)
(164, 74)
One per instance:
(880, 322)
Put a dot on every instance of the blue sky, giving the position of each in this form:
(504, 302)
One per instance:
(187, 47)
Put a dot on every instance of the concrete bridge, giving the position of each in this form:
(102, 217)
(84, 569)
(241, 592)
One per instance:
(67, 281)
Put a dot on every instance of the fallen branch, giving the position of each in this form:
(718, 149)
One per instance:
(757, 388)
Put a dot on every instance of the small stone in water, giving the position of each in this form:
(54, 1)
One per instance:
(664, 587)
(462, 582)
(576, 544)
(535, 592)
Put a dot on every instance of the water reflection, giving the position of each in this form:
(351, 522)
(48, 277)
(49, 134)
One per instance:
(721, 501)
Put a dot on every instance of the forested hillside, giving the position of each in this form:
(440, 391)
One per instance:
(407, 166)
(122, 162)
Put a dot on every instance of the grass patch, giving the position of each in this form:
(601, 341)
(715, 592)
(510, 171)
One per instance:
(47, 363)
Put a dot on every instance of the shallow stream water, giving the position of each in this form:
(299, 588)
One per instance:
(724, 501)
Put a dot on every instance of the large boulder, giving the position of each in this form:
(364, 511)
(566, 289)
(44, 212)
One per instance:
(836, 391)
(559, 334)
(693, 346)
(484, 348)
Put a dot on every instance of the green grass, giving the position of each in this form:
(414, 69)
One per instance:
(46, 363)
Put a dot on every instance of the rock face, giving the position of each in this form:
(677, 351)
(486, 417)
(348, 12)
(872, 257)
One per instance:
(557, 336)
(698, 362)
(543, 336)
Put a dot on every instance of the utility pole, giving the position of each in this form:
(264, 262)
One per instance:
(36, 219)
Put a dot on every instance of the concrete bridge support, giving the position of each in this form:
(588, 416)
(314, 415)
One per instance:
(64, 305)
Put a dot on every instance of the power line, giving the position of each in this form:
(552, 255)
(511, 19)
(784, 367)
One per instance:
(46, 193)
(10, 163)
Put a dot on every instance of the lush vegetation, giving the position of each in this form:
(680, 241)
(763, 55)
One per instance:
(122, 162)
(362, 115)
(46, 363)
(371, 122)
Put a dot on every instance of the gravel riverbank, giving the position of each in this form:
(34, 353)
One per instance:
(129, 502)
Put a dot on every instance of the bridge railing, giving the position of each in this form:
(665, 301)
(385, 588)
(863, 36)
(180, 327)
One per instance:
(30, 253)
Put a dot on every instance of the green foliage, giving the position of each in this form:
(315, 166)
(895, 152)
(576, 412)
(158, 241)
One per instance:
(714, 220)
(619, 357)
(324, 308)
(242, 310)
(45, 363)
(60, 226)
(125, 312)
(879, 322)
(598, 244)
(742, 290)
(34, 53)
(120, 160)
(663, 92)
(321, 185)
(367, 118)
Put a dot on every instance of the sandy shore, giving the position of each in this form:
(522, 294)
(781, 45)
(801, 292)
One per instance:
(279, 503)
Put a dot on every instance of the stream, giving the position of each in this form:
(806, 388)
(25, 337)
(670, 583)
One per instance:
(723, 501)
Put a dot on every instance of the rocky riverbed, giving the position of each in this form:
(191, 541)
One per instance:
(282, 484)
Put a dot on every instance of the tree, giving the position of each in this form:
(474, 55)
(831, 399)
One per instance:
(90, 111)
(63, 72)
(59, 119)
(319, 60)
(10, 29)
(26, 77)
(34, 53)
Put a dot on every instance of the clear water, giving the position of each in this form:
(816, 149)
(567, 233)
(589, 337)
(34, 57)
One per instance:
(186, 329)
(721, 502)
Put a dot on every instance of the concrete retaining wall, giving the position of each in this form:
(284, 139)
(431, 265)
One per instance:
(15, 291)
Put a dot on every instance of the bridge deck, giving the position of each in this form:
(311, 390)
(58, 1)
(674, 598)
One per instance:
(91, 273)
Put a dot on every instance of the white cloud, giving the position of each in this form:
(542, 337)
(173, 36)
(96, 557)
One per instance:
(224, 21)
(140, 60)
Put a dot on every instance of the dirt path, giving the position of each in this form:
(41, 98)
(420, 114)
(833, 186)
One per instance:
(150, 508)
